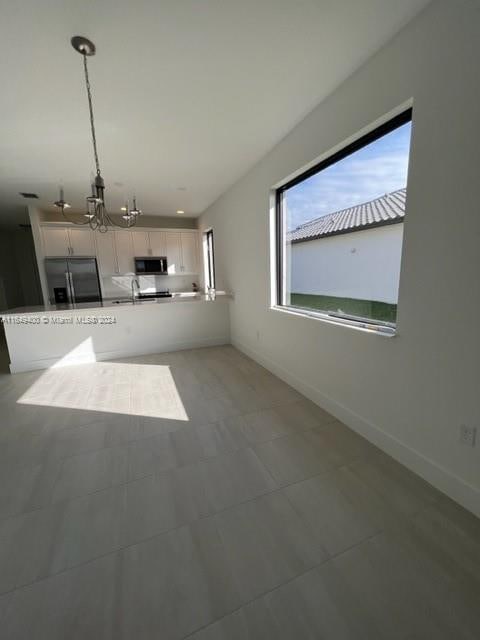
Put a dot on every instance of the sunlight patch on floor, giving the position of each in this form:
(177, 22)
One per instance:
(114, 387)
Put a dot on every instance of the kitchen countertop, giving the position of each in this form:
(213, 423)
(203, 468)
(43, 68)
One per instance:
(116, 303)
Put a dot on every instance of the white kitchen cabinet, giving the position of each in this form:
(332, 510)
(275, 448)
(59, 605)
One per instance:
(116, 250)
(125, 252)
(82, 242)
(182, 252)
(55, 242)
(63, 242)
(141, 244)
(189, 242)
(174, 252)
(106, 254)
(157, 243)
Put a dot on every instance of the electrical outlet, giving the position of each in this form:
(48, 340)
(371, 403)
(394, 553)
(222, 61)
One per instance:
(468, 435)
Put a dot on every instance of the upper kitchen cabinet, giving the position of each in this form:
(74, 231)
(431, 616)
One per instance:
(189, 252)
(116, 249)
(125, 251)
(141, 244)
(82, 242)
(182, 252)
(157, 243)
(106, 254)
(55, 242)
(173, 246)
(62, 242)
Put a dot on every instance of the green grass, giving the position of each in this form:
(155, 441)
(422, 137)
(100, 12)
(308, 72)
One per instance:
(370, 309)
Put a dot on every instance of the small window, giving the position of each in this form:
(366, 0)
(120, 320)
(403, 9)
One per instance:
(339, 231)
(209, 259)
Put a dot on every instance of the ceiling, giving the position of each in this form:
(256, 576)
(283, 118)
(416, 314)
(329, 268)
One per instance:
(188, 94)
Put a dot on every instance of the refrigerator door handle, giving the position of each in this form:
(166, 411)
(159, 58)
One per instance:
(69, 288)
(72, 288)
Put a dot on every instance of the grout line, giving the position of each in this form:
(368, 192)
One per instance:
(213, 514)
(127, 445)
(263, 595)
(204, 459)
(278, 489)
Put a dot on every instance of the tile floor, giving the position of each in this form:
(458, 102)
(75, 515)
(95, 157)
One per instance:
(195, 495)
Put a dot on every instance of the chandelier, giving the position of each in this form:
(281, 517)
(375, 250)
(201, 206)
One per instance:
(97, 216)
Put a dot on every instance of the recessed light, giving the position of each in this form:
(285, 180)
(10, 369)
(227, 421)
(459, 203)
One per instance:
(180, 211)
(123, 208)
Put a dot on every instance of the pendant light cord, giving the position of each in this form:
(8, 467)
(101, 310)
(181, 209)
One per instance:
(90, 107)
(97, 216)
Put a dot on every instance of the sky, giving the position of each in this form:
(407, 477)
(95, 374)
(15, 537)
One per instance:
(379, 168)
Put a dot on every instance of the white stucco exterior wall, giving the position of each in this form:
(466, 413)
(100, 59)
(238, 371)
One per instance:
(364, 265)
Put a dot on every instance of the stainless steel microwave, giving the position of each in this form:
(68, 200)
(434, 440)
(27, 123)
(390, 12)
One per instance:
(152, 266)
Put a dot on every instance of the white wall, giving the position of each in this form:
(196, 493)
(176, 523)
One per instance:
(409, 393)
(26, 266)
(10, 284)
(364, 265)
(19, 282)
(147, 221)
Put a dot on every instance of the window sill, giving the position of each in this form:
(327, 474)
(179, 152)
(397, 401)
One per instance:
(380, 330)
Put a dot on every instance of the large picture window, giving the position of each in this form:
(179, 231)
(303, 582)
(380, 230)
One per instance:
(339, 230)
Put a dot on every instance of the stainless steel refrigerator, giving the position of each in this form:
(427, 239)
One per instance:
(72, 280)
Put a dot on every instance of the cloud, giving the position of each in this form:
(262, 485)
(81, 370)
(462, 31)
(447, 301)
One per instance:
(379, 168)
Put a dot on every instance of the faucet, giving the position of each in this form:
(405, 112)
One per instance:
(134, 284)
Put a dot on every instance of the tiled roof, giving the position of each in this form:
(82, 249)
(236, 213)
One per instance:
(387, 209)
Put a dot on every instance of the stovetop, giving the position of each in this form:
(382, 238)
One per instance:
(154, 294)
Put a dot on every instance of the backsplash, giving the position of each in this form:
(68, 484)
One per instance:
(121, 286)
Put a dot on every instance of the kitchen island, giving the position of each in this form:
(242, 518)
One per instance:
(62, 335)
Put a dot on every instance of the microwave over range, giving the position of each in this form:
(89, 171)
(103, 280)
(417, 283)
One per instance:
(151, 266)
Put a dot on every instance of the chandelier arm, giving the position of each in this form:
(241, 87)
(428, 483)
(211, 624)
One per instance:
(113, 223)
(80, 224)
(90, 108)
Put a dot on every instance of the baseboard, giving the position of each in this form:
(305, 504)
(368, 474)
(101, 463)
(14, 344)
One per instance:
(439, 477)
(76, 359)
